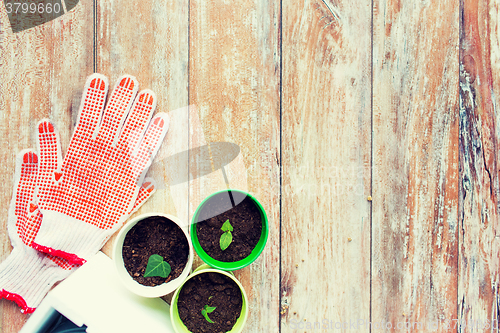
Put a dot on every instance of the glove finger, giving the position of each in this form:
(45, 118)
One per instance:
(147, 189)
(137, 121)
(116, 109)
(149, 146)
(22, 196)
(49, 149)
(89, 116)
(91, 107)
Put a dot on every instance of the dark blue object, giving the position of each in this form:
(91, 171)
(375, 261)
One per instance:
(64, 325)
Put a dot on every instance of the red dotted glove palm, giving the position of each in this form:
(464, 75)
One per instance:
(93, 191)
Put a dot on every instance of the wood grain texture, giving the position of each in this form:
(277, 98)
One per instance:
(478, 293)
(326, 112)
(149, 39)
(40, 71)
(234, 85)
(415, 164)
(385, 98)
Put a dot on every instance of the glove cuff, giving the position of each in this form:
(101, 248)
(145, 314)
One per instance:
(66, 237)
(26, 276)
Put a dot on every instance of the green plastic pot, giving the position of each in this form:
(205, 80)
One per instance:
(177, 323)
(235, 265)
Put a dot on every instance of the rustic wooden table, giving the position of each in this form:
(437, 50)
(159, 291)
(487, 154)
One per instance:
(368, 130)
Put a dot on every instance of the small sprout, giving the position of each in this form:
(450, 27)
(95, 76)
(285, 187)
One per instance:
(157, 267)
(227, 227)
(227, 237)
(206, 310)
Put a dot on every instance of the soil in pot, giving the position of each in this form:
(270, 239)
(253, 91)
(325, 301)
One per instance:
(244, 217)
(215, 292)
(155, 235)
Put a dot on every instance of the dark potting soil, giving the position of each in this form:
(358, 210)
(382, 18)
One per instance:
(215, 290)
(155, 235)
(245, 218)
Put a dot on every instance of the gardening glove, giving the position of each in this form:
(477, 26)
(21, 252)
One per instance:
(26, 275)
(85, 198)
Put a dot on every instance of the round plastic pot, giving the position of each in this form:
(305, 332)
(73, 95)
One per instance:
(179, 326)
(235, 265)
(128, 281)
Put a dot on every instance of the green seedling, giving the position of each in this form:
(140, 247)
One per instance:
(227, 237)
(157, 267)
(206, 310)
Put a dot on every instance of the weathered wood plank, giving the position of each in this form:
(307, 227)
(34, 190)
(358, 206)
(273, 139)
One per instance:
(478, 294)
(149, 39)
(41, 73)
(415, 164)
(234, 85)
(326, 112)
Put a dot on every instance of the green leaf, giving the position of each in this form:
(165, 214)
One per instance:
(225, 240)
(210, 309)
(206, 310)
(157, 267)
(227, 237)
(227, 226)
